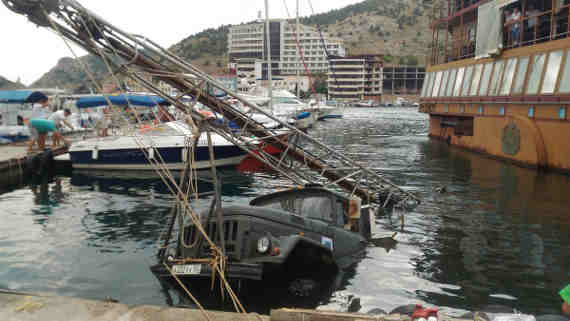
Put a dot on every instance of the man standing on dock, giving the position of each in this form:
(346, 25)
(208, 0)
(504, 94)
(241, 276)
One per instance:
(58, 118)
(39, 111)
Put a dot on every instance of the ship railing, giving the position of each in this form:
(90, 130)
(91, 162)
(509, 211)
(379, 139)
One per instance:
(455, 35)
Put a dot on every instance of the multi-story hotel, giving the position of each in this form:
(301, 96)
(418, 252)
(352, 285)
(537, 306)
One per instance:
(246, 46)
(355, 78)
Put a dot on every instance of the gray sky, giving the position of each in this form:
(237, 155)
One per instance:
(28, 51)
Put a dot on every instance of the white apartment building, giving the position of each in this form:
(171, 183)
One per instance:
(355, 78)
(246, 45)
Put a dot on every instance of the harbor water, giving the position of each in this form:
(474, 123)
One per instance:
(486, 232)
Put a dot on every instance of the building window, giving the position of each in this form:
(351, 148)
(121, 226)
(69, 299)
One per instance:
(502, 110)
(531, 112)
(562, 113)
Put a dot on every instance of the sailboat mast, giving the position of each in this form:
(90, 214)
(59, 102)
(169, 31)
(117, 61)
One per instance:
(297, 65)
(268, 58)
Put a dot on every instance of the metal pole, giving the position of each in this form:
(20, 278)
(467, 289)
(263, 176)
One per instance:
(297, 65)
(269, 76)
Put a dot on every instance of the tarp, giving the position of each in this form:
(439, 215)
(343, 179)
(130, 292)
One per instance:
(502, 3)
(21, 96)
(120, 100)
(489, 30)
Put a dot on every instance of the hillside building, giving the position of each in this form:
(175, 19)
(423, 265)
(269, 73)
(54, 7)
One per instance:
(355, 78)
(246, 44)
(403, 80)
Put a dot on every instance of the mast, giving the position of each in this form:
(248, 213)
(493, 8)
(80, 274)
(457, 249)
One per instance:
(297, 64)
(269, 77)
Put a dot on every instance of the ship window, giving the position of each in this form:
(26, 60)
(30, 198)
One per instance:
(485, 79)
(565, 78)
(502, 110)
(446, 108)
(451, 83)
(437, 84)
(444, 83)
(426, 84)
(521, 73)
(458, 81)
(462, 109)
(463, 126)
(531, 112)
(480, 110)
(467, 81)
(430, 87)
(552, 69)
(497, 75)
(476, 79)
(508, 78)
(562, 113)
(535, 74)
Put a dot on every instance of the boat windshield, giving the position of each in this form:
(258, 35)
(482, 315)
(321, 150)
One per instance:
(286, 100)
(175, 128)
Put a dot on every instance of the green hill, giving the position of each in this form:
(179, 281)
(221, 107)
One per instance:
(6, 84)
(399, 29)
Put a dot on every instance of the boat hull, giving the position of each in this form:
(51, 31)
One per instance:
(507, 133)
(131, 153)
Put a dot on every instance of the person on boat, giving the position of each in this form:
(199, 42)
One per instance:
(39, 111)
(58, 118)
(565, 295)
(102, 121)
(516, 26)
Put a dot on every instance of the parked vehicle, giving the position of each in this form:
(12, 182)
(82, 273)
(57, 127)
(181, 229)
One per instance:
(300, 232)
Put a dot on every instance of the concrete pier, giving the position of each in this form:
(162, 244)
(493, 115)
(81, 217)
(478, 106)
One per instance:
(29, 307)
(16, 164)
(45, 307)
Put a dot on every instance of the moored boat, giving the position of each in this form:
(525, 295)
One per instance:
(15, 110)
(500, 84)
(166, 143)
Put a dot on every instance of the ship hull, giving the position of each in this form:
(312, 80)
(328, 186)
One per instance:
(541, 141)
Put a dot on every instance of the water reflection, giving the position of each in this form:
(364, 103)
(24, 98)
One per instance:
(500, 234)
(508, 225)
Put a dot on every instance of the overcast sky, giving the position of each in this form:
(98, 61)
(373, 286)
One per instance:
(28, 51)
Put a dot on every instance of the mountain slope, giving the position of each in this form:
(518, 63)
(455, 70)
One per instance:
(6, 84)
(399, 29)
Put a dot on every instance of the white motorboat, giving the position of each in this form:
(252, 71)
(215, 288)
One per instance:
(165, 143)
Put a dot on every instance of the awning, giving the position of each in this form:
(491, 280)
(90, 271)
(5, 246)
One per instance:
(120, 100)
(21, 96)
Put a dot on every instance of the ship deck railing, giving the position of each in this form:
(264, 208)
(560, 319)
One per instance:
(536, 26)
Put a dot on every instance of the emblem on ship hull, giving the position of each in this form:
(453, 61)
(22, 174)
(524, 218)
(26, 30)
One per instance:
(511, 139)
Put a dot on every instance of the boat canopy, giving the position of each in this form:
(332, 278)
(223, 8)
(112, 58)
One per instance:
(120, 100)
(21, 96)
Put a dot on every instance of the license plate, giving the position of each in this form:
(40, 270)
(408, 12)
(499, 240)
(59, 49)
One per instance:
(187, 269)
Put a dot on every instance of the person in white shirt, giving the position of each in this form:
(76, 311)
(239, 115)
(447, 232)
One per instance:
(516, 28)
(58, 118)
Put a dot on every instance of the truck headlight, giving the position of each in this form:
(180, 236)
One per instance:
(263, 244)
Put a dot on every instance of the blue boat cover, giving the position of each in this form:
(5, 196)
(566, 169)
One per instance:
(21, 96)
(120, 100)
(303, 115)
